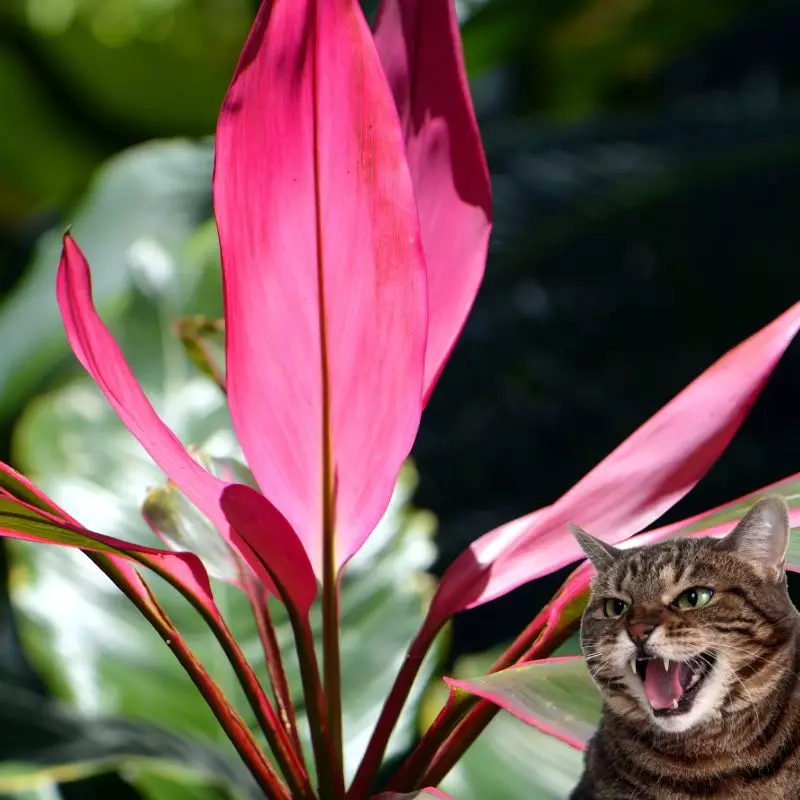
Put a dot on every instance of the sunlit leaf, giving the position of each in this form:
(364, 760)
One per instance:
(556, 695)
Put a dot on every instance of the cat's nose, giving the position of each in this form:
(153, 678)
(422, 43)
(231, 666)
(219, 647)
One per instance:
(640, 631)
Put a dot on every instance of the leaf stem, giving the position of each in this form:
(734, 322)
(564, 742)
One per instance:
(289, 759)
(373, 757)
(272, 654)
(464, 716)
(330, 651)
(474, 715)
(234, 726)
(329, 770)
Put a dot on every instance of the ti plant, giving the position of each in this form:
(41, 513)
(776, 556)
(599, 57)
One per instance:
(353, 208)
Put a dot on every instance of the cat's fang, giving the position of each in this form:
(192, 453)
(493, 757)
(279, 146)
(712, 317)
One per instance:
(666, 665)
(675, 704)
(633, 665)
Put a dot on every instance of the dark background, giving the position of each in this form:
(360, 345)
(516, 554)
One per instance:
(645, 159)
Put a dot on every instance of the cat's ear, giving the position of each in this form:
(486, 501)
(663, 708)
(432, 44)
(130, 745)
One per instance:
(762, 535)
(601, 555)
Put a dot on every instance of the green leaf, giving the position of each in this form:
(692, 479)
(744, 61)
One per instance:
(132, 225)
(510, 760)
(555, 695)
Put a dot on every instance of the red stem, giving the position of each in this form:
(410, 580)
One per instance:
(329, 768)
(282, 747)
(234, 726)
(272, 655)
(481, 713)
(373, 757)
(451, 729)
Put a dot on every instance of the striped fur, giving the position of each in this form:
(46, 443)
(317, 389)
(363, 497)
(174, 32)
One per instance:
(740, 737)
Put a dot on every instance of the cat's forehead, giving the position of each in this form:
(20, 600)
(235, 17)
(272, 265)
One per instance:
(650, 569)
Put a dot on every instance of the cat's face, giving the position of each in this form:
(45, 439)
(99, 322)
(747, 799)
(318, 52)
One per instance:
(680, 632)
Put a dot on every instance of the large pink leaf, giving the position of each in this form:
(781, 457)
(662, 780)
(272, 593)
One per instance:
(325, 287)
(420, 49)
(647, 474)
(555, 695)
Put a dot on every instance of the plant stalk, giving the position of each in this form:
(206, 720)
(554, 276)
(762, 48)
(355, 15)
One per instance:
(479, 713)
(373, 757)
(234, 726)
(272, 655)
(289, 759)
(329, 768)
(330, 650)
(545, 633)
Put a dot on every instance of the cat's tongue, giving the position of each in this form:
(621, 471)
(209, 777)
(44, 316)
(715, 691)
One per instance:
(663, 686)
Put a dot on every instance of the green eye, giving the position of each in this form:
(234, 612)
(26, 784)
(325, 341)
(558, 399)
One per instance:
(614, 607)
(696, 597)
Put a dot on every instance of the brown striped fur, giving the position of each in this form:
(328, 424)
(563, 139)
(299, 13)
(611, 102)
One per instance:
(740, 738)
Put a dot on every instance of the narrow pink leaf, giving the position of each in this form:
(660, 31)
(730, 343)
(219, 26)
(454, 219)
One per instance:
(417, 39)
(20, 520)
(102, 358)
(646, 475)
(267, 534)
(555, 695)
(325, 286)
(429, 792)
(716, 523)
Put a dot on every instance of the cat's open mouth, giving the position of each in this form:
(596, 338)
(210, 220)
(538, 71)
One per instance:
(671, 686)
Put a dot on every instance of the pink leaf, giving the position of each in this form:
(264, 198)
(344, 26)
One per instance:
(555, 695)
(646, 475)
(417, 39)
(21, 520)
(325, 286)
(716, 523)
(265, 532)
(100, 355)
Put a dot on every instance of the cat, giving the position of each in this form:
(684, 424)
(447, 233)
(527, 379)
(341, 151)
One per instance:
(694, 646)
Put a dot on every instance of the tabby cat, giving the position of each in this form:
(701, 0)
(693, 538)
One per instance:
(694, 646)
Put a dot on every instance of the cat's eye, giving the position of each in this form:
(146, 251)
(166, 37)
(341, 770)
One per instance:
(614, 607)
(696, 597)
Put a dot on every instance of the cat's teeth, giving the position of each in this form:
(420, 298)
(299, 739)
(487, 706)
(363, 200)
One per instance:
(675, 704)
(666, 665)
(633, 665)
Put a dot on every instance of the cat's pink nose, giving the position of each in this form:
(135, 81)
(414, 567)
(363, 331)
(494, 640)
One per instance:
(640, 631)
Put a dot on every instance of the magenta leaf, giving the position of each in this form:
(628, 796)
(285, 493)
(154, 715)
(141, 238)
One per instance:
(102, 358)
(325, 288)
(20, 520)
(96, 349)
(646, 475)
(555, 695)
(277, 554)
(417, 39)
